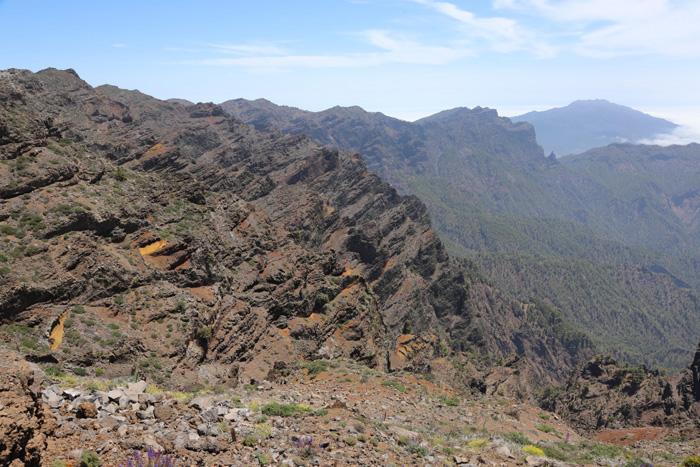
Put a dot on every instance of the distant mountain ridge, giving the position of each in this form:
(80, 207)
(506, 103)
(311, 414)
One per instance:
(587, 124)
(539, 226)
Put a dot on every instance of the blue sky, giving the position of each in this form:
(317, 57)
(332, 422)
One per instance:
(405, 58)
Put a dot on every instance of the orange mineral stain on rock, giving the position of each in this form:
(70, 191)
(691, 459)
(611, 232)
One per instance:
(153, 247)
(56, 336)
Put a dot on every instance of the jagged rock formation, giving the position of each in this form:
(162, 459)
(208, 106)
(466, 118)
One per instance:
(605, 394)
(619, 221)
(139, 228)
(25, 422)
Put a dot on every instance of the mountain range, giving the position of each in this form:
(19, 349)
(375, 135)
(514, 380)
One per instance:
(173, 278)
(580, 231)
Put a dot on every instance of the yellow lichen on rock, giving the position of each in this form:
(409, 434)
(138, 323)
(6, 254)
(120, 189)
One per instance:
(153, 247)
(56, 336)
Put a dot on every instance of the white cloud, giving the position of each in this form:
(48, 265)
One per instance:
(606, 28)
(681, 135)
(119, 46)
(391, 49)
(505, 35)
(246, 49)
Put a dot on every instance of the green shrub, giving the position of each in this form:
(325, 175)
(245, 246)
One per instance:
(316, 367)
(80, 371)
(350, 441)
(113, 326)
(450, 401)
(120, 174)
(517, 437)
(79, 309)
(284, 410)
(90, 459)
(249, 441)
(691, 461)
(6, 229)
(262, 458)
(547, 429)
(54, 371)
(31, 250)
(393, 384)
(204, 333)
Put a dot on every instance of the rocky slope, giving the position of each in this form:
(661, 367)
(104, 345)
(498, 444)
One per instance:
(338, 413)
(606, 394)
(537, 225)
(142, 235)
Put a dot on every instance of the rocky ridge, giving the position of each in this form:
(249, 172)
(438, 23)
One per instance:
(605, 394)
(182, 242)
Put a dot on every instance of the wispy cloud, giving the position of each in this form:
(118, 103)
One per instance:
(502, 34)
(247, 49)
(119, 46)
(389, 49)
(607, 28)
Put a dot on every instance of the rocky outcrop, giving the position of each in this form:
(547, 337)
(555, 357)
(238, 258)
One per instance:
(605, 394)
(186, 233)
(25, 423)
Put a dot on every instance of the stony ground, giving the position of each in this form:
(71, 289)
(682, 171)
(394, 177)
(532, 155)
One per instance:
(325, 414)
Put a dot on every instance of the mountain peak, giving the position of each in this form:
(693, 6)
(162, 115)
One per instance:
(585, 124)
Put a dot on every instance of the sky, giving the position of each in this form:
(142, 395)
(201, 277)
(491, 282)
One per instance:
(404, 58)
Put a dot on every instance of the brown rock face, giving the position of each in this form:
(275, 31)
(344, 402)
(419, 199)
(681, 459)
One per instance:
(186, 234)
(24, 421)
(604, 394)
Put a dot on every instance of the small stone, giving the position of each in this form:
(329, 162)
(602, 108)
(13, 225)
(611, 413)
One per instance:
(86, 410)
(144, 398)
(504, 451)
(164, 412)
(146, 414)
(138, 387)
(55, 401)
(108, 422)
(201, 403)
(210, 415)
(71, 393)
(115, 394)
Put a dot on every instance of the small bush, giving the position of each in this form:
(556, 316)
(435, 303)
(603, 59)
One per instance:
(204, 333)
(262, 458)
(90, 459)
(79, 309)
(533, 451)
(350, 441)
(517, 437)
(478, 444)
(547, 429)
(691, 461)
(283, 410)
(316, 367)
(450, 401)
(80, 371)
(249, 441)
(393, 384)
(6, 229)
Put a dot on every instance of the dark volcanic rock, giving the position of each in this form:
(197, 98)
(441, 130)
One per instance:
(252, 246)
(605, 394)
